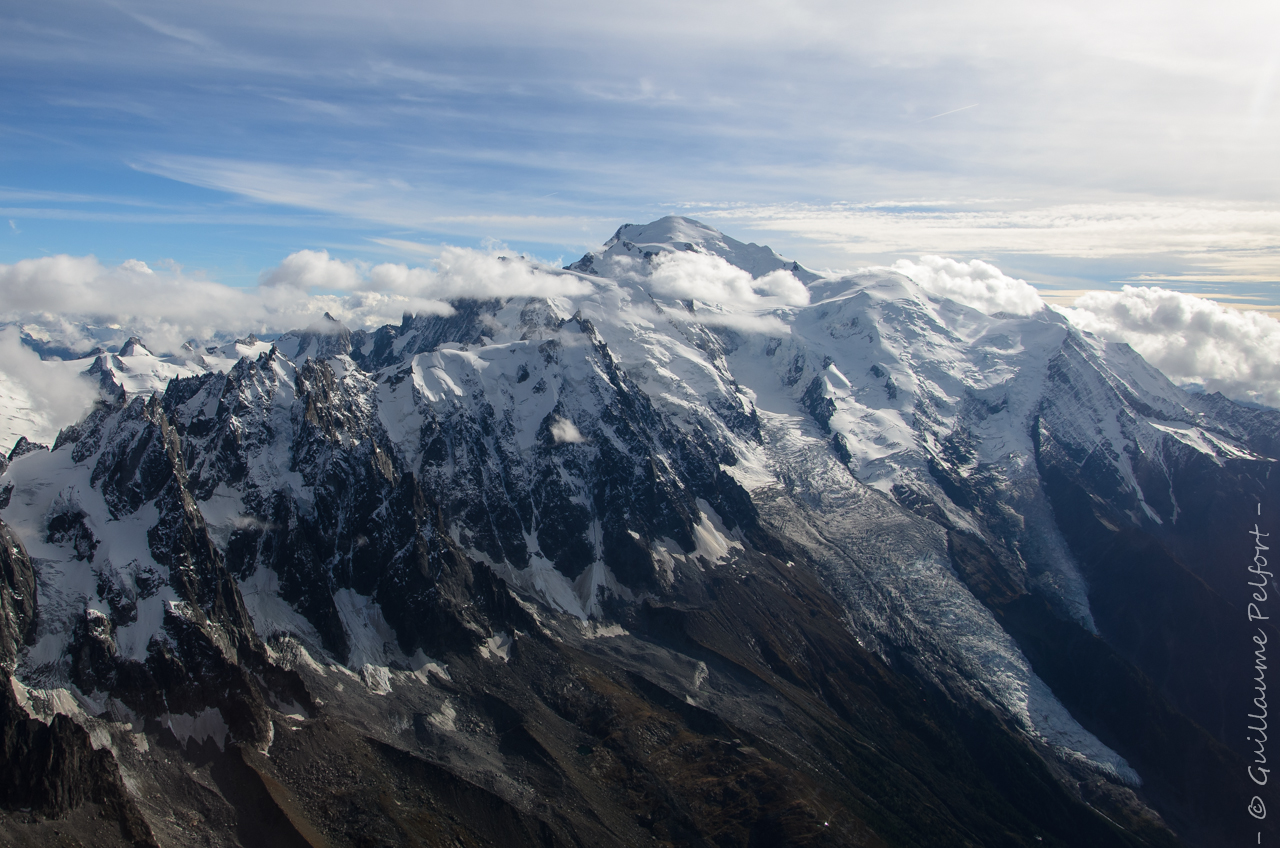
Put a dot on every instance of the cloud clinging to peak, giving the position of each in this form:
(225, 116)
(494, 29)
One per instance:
(564, 431)
(458, 273)
(709, 278)
(38, 397)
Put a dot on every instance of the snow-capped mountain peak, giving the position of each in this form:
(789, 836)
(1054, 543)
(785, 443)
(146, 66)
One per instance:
(645, 242)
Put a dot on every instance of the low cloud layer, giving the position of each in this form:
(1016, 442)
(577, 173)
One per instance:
(462, 273)
(80, 302)
(458, 273)
(307, 269)
(978, 284)
(1227, 240)
(1190, 339)
(62, 294)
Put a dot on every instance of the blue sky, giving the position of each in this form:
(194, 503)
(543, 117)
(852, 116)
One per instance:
(1078, 145)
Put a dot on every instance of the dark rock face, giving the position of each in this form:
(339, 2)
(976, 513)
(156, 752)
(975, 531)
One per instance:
(368, 527)
(818, 404)
(1166, 555)
(22, 447)
(1165, 679)
(325, 340)
(391, 345)
(209, 650)
(109, 388)
(67, 526)
(375, 523)
(17, 598)
(53, 768)
(1160, 532)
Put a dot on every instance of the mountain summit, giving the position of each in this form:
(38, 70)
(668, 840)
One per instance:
(711, 552)
(674, 233)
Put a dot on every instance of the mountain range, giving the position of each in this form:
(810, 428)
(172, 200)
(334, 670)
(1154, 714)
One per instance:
(718, 551)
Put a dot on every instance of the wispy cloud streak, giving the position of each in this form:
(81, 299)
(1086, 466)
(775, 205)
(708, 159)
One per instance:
(952, 112)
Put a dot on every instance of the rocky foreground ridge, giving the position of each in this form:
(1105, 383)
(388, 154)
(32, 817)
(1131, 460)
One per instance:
(826, 561)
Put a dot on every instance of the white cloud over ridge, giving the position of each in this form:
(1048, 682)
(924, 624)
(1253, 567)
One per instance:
(976, 283)
(458, 273)
(305, 269)
(1190, 339)
(709, 278)
(62, 294)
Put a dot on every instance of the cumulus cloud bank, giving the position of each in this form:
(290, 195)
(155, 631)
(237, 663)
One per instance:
(308, 269)
(61, 294)
(471, 273)
(458, 273)
(978, 284)
(1190, 339)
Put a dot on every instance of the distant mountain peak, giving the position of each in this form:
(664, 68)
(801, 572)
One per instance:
(135, 347)
(674, 230)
